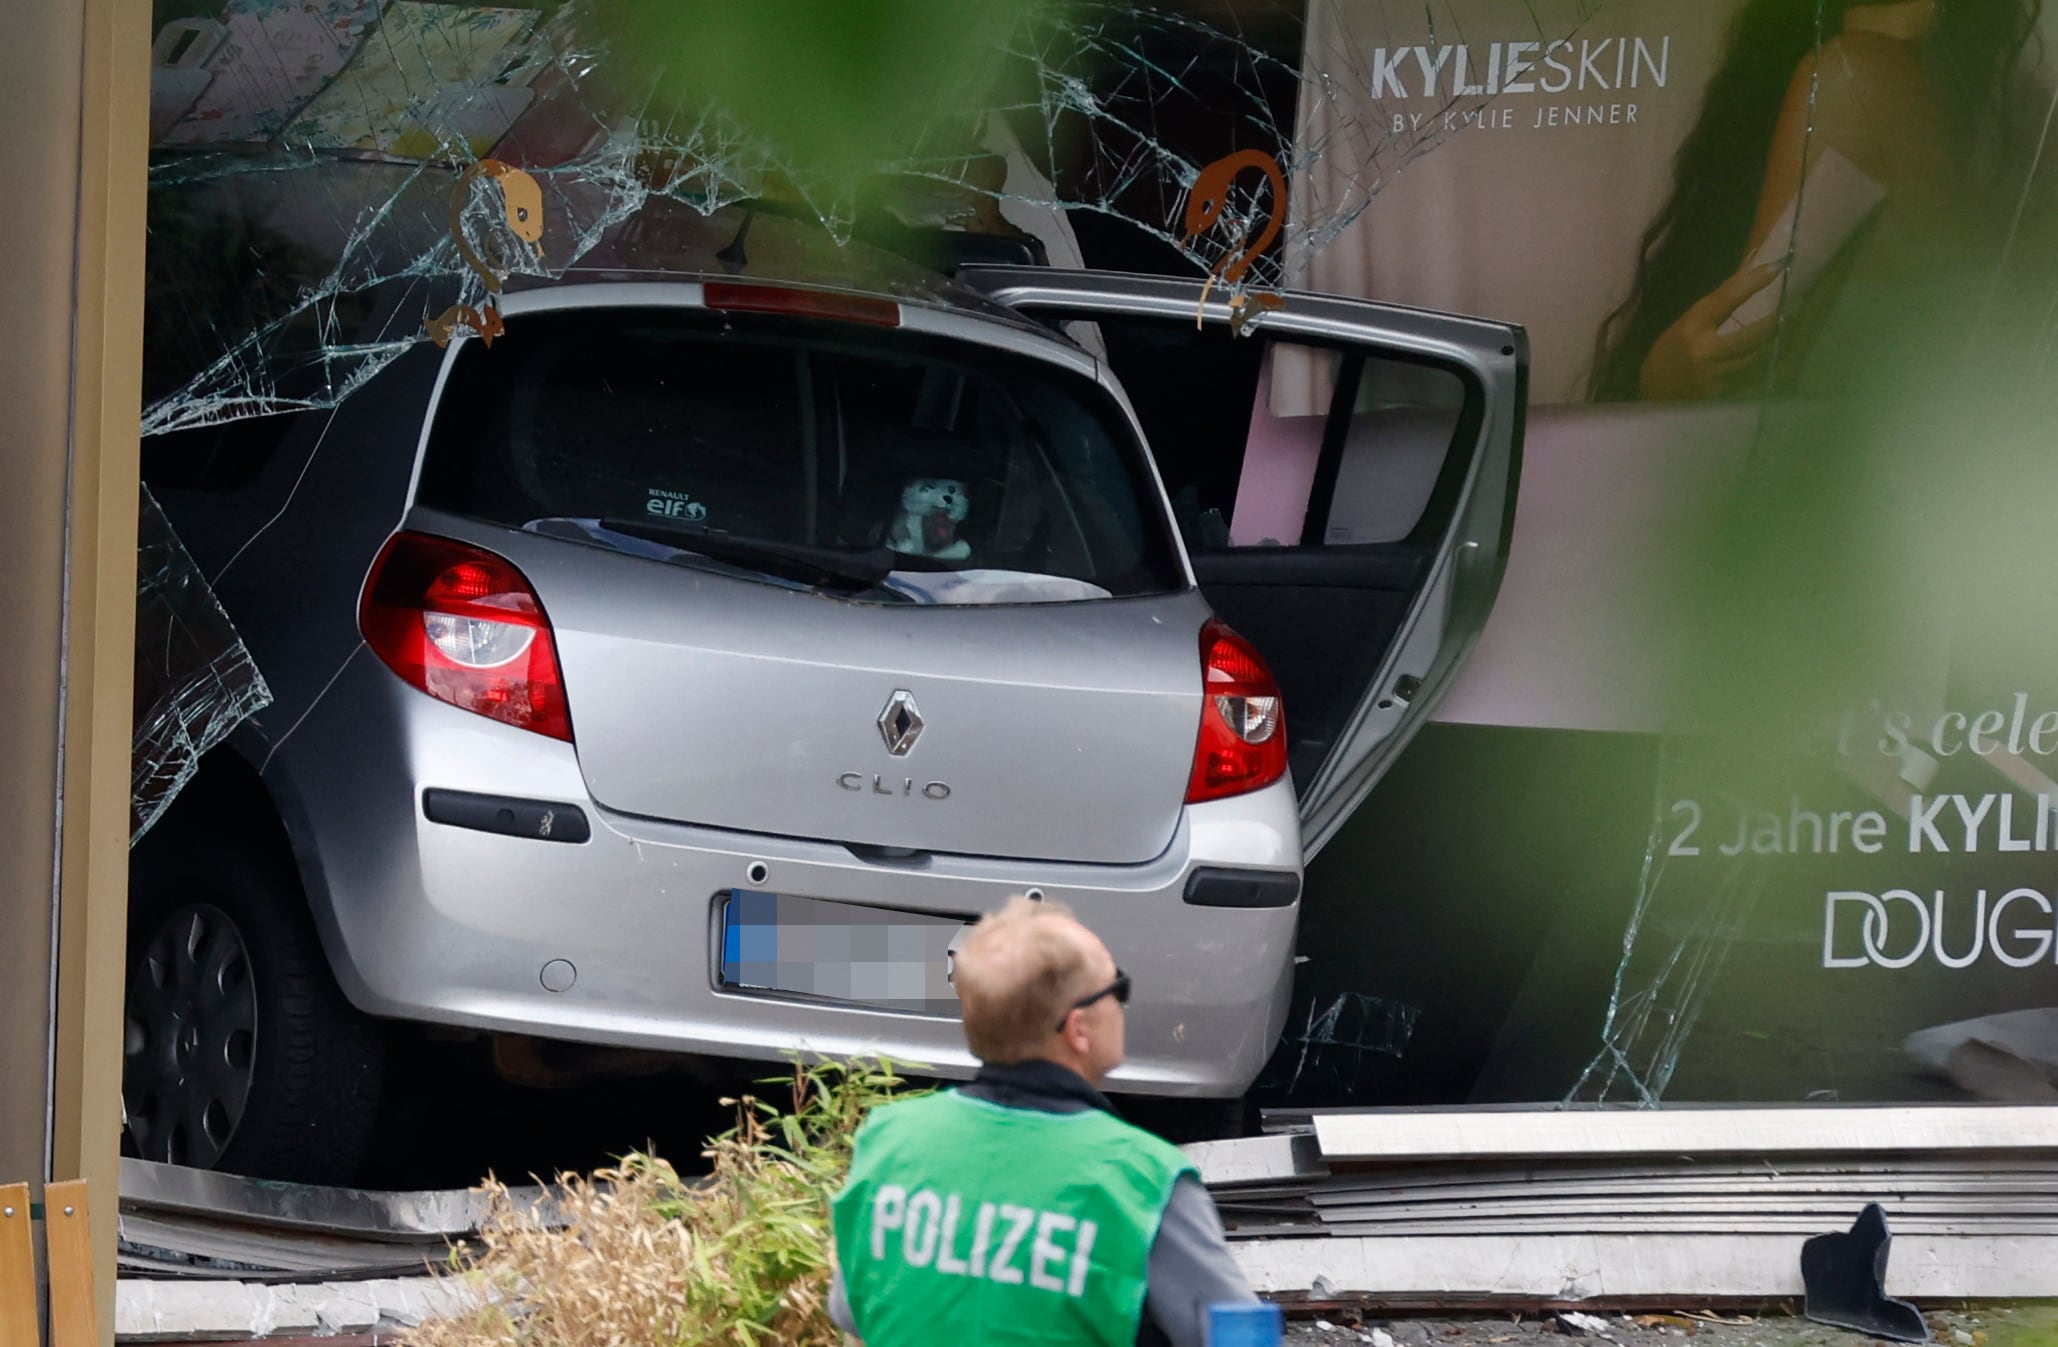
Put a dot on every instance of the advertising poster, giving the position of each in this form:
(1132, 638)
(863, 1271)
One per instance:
(1628, 179)
(1787, 411)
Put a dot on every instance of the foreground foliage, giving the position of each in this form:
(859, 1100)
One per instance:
(637, 1256)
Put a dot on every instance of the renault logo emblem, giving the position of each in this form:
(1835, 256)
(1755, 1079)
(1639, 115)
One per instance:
(900, 724)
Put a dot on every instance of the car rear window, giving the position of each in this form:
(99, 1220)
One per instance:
(967, 475)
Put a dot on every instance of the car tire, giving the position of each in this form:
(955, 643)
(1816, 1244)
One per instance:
(240, 1051)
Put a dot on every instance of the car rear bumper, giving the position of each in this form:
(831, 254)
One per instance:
(614, 939)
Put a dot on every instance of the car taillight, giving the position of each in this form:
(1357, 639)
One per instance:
(1242, 745)
(465, 626)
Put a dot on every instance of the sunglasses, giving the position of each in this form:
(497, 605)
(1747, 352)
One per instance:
(1119, 989)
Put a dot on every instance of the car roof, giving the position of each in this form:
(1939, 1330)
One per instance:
(672, 241)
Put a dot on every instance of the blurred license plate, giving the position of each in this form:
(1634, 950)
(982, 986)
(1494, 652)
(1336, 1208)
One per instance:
(812, 948)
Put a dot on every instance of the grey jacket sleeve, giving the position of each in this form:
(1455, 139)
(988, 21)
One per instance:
(839, 1303)
(1191, 1267)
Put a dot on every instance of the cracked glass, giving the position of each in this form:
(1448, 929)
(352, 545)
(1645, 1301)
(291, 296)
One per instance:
(195, 679)
(1841, 897)
(1782, 267)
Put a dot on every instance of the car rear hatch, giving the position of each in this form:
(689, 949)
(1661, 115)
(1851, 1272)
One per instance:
(823, 576)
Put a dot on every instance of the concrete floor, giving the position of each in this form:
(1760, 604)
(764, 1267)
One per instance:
(2026, 1325)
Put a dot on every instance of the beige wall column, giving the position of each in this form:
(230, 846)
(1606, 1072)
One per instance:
(74, 97)
(100, 623)
(40, 69)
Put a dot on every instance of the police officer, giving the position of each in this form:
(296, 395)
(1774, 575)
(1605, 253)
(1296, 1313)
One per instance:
(1019, 1208)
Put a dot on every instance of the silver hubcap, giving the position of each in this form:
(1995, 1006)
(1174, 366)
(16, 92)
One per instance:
(191, 1038)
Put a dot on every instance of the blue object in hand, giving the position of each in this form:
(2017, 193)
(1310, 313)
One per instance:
(1245, 1325)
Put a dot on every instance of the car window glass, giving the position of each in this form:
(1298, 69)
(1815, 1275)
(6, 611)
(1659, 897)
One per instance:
(651, 426)
(1402, 420)
(984, 477)
(1237, 425)
(1395, 433)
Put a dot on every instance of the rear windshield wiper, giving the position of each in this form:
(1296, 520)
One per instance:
(794, 561)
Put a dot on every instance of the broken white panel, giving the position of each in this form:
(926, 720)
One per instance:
(190, 1309)
(1458, 1134)
(1592, 1267)
(1271, 1159)
(148, 1186)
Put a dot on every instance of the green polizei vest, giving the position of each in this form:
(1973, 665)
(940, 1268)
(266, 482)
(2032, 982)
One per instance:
(965, 1221)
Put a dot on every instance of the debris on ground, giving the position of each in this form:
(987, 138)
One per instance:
(1998, 1325)
(1583, 1325)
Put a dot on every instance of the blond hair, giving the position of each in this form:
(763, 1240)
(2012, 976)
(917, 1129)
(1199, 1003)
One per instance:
(1017, 974)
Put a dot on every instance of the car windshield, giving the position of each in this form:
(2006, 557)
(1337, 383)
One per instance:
(880, 465)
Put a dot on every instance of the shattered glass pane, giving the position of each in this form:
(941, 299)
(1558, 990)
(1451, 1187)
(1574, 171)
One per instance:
(336, 182)
(1849, 765)
(1332, 1041)
(195, 681)
(317, 195)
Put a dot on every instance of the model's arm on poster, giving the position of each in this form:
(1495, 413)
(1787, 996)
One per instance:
(1694, 358)
(1852, 99)
(1865, 99)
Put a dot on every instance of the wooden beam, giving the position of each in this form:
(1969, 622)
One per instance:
(68, 1235)
(18, 1326)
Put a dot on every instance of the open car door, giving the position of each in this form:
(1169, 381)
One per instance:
(1344, 474)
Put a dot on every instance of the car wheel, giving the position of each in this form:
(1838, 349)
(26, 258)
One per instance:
(241, 1053)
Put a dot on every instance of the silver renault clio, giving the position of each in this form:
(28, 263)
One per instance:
(686, 667)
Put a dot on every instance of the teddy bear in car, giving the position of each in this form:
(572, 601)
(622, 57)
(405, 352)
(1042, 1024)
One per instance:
(926, 525)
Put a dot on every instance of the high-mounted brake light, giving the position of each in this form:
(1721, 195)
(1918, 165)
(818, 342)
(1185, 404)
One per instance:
(1242, 743)
(730, 297)
(463, 625)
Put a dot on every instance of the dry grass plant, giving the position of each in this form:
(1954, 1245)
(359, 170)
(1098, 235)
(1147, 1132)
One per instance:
(637, 1256)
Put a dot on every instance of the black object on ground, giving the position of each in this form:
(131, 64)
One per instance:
(1845, 1279)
